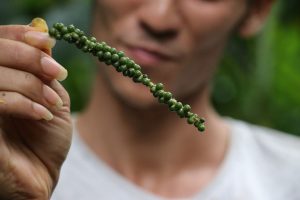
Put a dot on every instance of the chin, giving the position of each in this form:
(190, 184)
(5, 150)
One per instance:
(134, 95)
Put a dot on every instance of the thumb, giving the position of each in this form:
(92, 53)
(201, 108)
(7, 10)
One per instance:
(40, 24)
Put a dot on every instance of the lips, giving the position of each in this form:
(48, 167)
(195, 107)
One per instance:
(146, 56)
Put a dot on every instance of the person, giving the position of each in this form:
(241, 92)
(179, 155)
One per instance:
(125, 145)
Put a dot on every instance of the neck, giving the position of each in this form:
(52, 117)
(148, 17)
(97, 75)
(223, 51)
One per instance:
(151, 141)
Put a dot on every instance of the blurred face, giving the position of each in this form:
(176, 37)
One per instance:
(176, 42)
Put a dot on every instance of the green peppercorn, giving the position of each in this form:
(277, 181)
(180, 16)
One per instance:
(107, 56)
(137, 73)
(123, 60)
(114, 57)
(137, 67)
(121, 54)
(126, 72)
(191, 120)
(75, 36)
(116, 64)
(100, 55)
(64, 30)
(122, 68)
(58, 36)
(197, 122)
(172, 102)
(153, 88)
(201, 127)
(130, 64)
(138, 79)
(113, 51)
(106, 48)
(178, 105)
(58, 26)
(83, 39)
(146, 81)
(159, 86)
(52, 32)
(131, 72)
(108, 62)
(181, 113)
(186, 108)
(92, 46)
(88, 43)
(93, 39)
(189, 114)
(67, 37)
(79, 32)
(71, 28)
(98, 47)
(151, 84)
(202, 120)
(167, 96)
(172, 108)
(159, 93)
(85, 49)
(161, 100)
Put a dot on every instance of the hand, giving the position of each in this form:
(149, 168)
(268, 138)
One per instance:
(35, 124)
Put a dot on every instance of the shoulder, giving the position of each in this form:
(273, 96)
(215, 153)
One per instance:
(274, 153)
(276, 143)
(268, 159)
(271, 142)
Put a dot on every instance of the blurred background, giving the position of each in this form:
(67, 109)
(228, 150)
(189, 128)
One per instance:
(258, 80)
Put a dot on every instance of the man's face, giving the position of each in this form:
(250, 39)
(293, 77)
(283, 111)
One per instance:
(176, 42)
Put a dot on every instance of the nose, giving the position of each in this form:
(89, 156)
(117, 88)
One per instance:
(160, 19)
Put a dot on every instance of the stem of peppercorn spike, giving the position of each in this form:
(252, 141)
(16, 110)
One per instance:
(110, 56)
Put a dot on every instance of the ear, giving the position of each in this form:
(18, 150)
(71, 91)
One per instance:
(257, 14)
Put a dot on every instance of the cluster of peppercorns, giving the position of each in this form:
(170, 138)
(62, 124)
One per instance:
(128, 67)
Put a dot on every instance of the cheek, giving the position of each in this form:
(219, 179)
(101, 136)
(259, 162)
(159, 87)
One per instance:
(111, 18)
(111, 11)
(211, 23)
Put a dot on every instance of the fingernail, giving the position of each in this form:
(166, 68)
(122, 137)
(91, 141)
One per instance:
(36, 38)
(52, 68)
(51, 96)
(43, 112)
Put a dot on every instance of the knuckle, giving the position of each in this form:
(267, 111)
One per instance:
(30, 83)
(21, 30)
(3, 31)
(17, 54)
(13, 32)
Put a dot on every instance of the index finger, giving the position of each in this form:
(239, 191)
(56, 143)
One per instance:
(29, 35)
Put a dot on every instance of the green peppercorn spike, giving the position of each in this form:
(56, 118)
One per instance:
(125, 65)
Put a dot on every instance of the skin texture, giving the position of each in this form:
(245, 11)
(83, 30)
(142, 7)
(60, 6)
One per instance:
(156, 150)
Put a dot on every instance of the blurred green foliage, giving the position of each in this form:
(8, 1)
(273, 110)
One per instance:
(258, 79)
